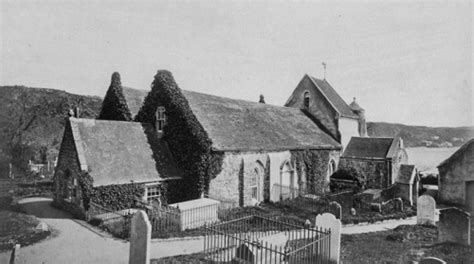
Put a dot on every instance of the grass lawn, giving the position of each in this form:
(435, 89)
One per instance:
(18, 228)
(394, 246)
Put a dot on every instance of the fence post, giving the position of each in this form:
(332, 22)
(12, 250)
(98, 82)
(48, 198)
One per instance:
(140, 236)
(329, 221)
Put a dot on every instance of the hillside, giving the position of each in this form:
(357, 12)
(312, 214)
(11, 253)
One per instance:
(32, 122)
(417, 136)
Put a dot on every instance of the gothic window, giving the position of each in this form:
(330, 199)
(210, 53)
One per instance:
(306, 100)
(160, 118)
(255, 181)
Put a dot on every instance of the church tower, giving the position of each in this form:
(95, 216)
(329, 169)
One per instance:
(360, 112)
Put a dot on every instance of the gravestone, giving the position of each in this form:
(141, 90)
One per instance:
(15, 256)
(335, 209)
(398, 204)
(454, 226)
(329, 221)
(41, 227)
(425, 210)
(140, 236)
(432, 260)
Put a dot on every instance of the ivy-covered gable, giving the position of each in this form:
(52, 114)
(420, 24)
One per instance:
(114, 106)
(188, 141)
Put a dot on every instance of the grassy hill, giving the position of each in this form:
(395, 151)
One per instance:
(417, 136)
(32, 123)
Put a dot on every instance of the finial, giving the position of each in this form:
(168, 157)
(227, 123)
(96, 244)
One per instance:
(324, 66)
(262, 99)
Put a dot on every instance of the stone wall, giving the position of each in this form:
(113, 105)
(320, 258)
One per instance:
(319, 107)
(239, 170)
(375, 172)
(401, 157)
(453, 176)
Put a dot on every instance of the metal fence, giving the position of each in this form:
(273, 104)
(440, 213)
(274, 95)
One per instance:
(256, 239)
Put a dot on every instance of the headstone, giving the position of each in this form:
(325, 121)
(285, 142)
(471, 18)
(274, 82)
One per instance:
(15, 256)
(425, 210)
(353, 211)
(432, 260)
(307, 223)
(329, 221)
(454, 226)
(398, 204)
(335, 209)
(140, 236)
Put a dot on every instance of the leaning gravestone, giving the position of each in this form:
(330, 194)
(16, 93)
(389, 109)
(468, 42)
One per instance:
(432, 260)
(425, 210)
(329, 221)
(335, 209)
(140, 236)
(15, 256)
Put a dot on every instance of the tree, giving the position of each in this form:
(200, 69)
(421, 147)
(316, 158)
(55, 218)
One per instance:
(114, 106)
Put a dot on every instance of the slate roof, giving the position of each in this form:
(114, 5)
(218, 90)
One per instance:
(364, 147)
(118, 152)
(406, 174)
(238, 125)
(134, 99)
(333, 97)
(458, 152)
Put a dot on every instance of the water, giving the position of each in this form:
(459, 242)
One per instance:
(428, 158)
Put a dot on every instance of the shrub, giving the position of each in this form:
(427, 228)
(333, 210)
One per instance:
(114, 106)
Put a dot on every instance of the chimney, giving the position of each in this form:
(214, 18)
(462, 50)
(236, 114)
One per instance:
(262, 99)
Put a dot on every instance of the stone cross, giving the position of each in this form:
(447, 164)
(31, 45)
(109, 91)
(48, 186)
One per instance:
(335, 209)
(425, 210)
(140, 236)
(329, 221)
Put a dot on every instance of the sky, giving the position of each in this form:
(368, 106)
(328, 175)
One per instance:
(405, 62)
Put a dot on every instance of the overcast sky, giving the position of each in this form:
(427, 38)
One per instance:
(405, 62)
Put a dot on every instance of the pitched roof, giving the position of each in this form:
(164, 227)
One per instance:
(406, 174)
(333, 97)
(364, 147)
(459, 152)
(118, 152)
(250, 126)
(134, 99)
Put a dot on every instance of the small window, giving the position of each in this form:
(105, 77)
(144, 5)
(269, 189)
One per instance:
(152, 193)
(160, 119)
(306, 100)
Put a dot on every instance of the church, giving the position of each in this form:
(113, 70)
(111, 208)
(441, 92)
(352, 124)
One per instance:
(179, 144)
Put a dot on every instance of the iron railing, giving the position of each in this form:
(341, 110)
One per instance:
(256, 239)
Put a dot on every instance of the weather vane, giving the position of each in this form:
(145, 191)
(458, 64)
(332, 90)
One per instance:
(324, 66)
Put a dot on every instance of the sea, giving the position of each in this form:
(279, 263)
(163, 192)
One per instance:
(427, 159)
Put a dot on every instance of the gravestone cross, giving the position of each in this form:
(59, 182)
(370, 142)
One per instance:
(425, 210)
(140, 236)
(329, 221)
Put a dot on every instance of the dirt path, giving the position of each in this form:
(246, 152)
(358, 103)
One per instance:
(73, 243)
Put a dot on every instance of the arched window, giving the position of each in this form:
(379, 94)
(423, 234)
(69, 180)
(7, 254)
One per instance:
(287, 181)
(306, 100)
(160, 118)
(331, 167)
(255, 182)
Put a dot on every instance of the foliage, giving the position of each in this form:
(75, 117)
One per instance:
(315, 164)
(191, 144)
(351, 174)
(117, 197)
(429, 180)
(114, 106)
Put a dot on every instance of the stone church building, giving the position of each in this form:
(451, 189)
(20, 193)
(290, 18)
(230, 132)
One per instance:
(199, 144)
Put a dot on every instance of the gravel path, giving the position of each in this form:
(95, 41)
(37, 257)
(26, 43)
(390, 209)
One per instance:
(71, 242)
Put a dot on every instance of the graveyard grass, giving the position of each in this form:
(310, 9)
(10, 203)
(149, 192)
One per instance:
(18, 228)
(393, 246)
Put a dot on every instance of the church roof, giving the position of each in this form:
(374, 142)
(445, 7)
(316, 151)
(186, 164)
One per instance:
(333, 97)
(119, 152)
(376, 148)
(406, 174)
(238, 125)
(458, 153)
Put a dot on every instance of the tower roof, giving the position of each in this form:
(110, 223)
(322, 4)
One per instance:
(355, 106)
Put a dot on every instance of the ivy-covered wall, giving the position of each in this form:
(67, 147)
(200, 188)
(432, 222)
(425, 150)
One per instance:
(114, 106)
(187, 139)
